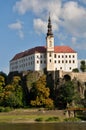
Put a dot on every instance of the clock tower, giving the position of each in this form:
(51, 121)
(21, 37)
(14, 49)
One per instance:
(50, 47)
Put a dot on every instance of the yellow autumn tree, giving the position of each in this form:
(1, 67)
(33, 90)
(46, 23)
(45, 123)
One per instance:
(40, 94)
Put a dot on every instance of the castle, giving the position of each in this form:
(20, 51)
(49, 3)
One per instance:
(49, 57)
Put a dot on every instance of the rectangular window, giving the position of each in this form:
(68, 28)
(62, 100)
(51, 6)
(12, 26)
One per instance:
(50, 60)
(73, 61)
(44, 62)
(37, 56)
(66, 61)
(58, 61)
(54, 55)
(49, 54)
(65, 56)
(69, 56)
(70, 68)
(55, 61)
(58, 56)
(37, 61)
(73, 56)
(62, 61)
(41, 56)
(69, 61)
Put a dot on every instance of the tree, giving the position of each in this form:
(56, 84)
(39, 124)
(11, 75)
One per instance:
(40, 94)
(13, 95)
(75, 70)
(4, 75)
(2, 85)
(66, 94)
(83, 66)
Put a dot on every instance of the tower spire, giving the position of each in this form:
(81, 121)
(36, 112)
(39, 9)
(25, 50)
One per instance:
(49, 32)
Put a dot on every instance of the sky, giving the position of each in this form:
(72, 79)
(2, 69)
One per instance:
(23, 25)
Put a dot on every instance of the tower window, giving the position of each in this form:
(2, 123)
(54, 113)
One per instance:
(50, 60)
(49, 54)
(37, 61)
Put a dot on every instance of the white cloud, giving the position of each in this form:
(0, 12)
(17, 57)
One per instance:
(74, 17)
(37, 6)
(69, 15)
(74, 40)
(40, 25)
(18, 27)
(15, 26)
(84, 1)
(41, 8)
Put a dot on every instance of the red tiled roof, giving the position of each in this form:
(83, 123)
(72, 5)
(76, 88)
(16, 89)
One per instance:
(39, 49)
(42, 49)
(63, 49)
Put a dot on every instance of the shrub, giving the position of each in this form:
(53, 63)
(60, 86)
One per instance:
(53, 119)
(72, 119)
(2, 109)
(5, 109)
(39, 119)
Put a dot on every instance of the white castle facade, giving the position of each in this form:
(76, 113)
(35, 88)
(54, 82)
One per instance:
(50, 57)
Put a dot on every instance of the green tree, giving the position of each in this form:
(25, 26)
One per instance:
(75, 70)
(2, 85)
(66, 94)
(40, 94)
(13, 95)
(83, 66)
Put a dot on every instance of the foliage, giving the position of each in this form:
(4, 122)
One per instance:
(83, 66)
(39, 119)
(53, 119)
(75, 70)
(5, 109)
(12, 94)
(72, 119)
(31, 78)
(2, 81)
(66, 94)
(40, 94)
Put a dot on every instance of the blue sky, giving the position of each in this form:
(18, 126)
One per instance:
(23, 25)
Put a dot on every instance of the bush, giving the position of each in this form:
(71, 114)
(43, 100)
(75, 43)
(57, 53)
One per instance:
(5, 109)
(53, 119)
(2, 109)
(72, 119)
(39, 119)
